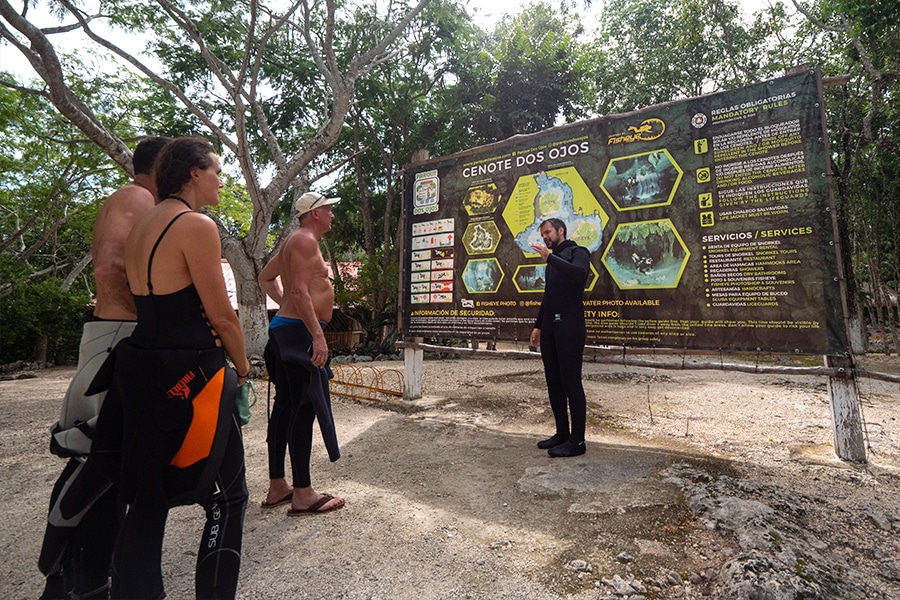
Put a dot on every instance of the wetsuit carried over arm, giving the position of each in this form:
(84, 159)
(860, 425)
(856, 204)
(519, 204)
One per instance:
(84, 516)
(302, 396)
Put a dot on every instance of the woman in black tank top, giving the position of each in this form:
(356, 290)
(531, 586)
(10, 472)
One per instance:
(181, 442)
(173, 320)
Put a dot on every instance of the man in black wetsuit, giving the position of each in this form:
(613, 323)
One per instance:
(559, 330)
(84, 513)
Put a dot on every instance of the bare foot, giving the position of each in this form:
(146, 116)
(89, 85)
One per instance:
(307, 501)
(279, 493)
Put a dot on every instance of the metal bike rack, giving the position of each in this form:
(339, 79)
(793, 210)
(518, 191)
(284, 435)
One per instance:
(366, 382)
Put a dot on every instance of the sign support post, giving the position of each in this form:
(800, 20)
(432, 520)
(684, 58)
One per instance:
(845, 415)
(413, 370)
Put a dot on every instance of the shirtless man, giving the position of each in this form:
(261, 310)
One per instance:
(78, 545)
(306, 298)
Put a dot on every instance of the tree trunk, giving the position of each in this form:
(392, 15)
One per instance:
(255, 323)
(251, 300)
(40, 348)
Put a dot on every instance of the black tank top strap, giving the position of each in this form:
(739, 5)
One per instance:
(156, 245)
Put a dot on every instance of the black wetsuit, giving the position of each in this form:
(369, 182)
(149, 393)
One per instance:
(561, 321)
(87, 548)
(85, 514)
(301, 397)
(174, 396)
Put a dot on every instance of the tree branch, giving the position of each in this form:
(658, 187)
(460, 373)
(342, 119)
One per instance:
(43, 58)
(156, 78)
(75, 272)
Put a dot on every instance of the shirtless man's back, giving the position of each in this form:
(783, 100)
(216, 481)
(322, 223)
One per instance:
(114, 221)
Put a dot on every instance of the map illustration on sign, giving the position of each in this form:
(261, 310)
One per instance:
(482, 199)
(709, 222)
(560, 193)
(481, 237)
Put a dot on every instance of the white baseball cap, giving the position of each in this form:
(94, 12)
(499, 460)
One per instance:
(312, 200)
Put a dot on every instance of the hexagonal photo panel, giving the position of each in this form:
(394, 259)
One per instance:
(532, 278)
(482, 276)
(646, 255)
(481, 237)
(641, 180)
(481, 199)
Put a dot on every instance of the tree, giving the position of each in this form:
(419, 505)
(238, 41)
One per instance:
(864, 120)
(51, 184)
(527, 76)
(432, 96)
(41, 321)
(702, 46)
(649, 52)
(225, 63)
(401, 114)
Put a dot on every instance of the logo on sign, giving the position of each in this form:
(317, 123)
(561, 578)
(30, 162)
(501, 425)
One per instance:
(648, 130)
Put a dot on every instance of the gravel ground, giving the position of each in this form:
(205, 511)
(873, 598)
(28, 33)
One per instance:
(695, 484)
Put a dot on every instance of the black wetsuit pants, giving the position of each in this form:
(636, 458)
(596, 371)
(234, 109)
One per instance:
(562, 351)
(137, 566)
(291, 422)
(279, 418)
(85, 568)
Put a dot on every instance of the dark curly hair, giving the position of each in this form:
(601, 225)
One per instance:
(175, 161)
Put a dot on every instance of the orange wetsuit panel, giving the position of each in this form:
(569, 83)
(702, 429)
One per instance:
(199, 438)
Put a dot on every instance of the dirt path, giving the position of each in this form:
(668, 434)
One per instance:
(695, 484)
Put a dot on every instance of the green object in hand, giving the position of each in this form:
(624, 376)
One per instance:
(243, 401)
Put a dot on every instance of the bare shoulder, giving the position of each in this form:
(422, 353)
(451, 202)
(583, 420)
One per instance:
(118, 214)
(301, 259)
(130, 200)
(301, 241)
(198, 227)
(198, 219)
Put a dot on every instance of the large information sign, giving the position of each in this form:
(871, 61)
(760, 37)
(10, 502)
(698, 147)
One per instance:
(709, 222)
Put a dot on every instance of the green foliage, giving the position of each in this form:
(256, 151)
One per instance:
(541, 65)
(356, 296)
(869, 18)
(446, 87)
(404, 104)
(235, 209)
(40, 308)
(528, 75)
(864, 127)
(52, 183)
(648, 52)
